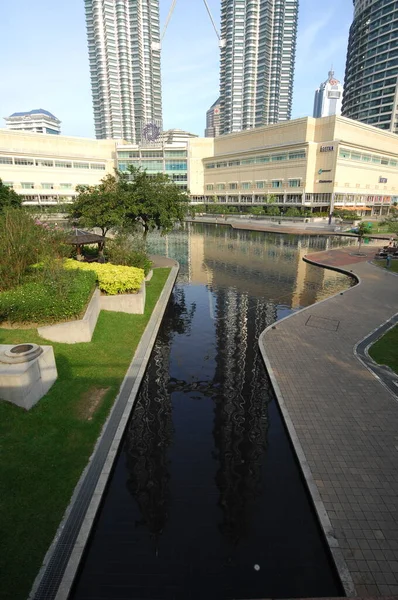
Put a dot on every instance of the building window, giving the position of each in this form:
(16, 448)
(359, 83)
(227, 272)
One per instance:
(5, 160)
(26, 162)
(277, 184)
(344, 153)
(209, 187)
(220, 186)
(173, 165)
(175, 153)
(27, 185)
(233, 186)
(47, 186)
(80, 165)
(63, 164)
(9, 184)
(97, 166)
(65, 186)
(293, 183)
(260, 185)
(44, 163)
(246, 185)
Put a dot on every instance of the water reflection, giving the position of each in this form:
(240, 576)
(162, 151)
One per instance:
(150, 431)
(207, 479)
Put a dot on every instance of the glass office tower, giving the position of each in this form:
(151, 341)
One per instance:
(258, 46)
(371, 76)
(124, 51)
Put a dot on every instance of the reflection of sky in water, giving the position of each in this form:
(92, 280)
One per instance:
(206, 487)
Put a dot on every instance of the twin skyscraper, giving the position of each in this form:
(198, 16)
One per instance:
(257, 45)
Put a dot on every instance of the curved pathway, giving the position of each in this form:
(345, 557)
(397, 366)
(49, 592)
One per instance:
(343, 421)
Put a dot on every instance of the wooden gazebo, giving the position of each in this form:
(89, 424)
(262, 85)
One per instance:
(79, 238)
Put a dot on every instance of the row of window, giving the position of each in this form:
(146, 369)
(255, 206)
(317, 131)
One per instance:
(263, 158)
(248, 185)
(152, 154)
(63, 164)
(369, 158)
(155, 165)
(30, 185)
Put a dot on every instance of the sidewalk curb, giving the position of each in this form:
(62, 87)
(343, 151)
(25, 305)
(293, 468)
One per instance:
(321, 512)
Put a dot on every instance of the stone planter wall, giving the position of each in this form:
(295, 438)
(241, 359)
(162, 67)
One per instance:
(128, 303)
(74, 332)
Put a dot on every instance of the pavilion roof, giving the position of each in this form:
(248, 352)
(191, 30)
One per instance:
(79, 237)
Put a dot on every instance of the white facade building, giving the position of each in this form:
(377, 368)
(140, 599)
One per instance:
(37, 121)
(258, 46)
(124, 51)
(328, 98)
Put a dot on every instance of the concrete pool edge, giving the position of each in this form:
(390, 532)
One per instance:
(52, 584)
(321, 512)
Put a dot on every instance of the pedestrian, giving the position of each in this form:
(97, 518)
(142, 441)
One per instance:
(388, 261)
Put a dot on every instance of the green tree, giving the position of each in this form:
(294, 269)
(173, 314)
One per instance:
(256, 210)
(292, 211)
(155, 201)
(273, 211)
(101, 206)
(392, 222)
(8, 198)
(362, 229)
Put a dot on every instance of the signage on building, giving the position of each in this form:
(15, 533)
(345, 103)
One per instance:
(327, 148)
(382, 179)
(324, 171)
(325, 181)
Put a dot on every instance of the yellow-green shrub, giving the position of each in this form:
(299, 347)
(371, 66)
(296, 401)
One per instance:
(112, 279)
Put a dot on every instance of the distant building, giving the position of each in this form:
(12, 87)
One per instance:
(371, 83)
(328, 98)
(37, 121)
(124, 52)
(213, 120)
(258, 47)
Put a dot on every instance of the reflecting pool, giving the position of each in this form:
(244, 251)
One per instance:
(206, 500)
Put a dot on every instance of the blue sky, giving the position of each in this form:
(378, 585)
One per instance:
(45, 61)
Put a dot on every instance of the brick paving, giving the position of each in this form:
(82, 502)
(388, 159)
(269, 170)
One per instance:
(345, 420)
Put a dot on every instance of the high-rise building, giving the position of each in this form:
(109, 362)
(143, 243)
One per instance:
(258, 46)
(213, 120)
(37, 121)
(371, 82)
(328, 97)
(124, 51)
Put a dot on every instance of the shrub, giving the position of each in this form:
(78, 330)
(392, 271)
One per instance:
(293, 212)
(112, 279)
(24, 241)
(128, 251)
(46, 298)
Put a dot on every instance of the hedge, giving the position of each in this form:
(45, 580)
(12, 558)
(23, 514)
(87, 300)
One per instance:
(112, 279)
(41, 302)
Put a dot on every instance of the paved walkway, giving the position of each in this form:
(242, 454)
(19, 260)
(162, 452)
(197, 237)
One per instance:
(343, 421)
(284, 227)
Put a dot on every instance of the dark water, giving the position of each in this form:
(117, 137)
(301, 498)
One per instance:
(206, 500)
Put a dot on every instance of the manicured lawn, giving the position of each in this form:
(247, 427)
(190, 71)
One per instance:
(383, 264)
(44, 451)
(385, 351)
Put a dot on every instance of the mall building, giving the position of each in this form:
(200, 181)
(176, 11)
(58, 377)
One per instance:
(313, 163)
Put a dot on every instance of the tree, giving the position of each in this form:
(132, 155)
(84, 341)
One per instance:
(273, 211)
(101, 206)
(153, 200)
(392, 222)
(8, 198)
(362, 229)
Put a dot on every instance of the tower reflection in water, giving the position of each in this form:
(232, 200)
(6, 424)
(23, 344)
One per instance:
(206, 486)
(150, 432)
